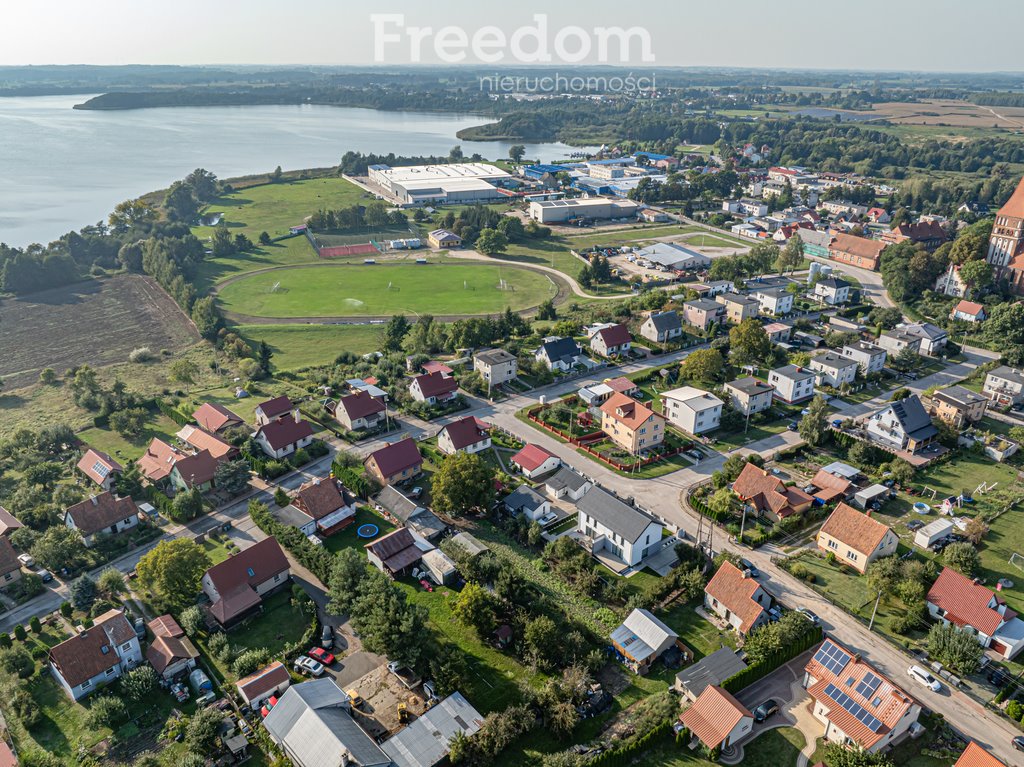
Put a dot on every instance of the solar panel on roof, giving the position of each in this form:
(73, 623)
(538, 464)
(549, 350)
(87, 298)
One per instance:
(100, 469)
(853, 707)
(832, 657)
(868, 685)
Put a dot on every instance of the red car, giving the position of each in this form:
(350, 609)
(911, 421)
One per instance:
(320, 654)
(265, 708)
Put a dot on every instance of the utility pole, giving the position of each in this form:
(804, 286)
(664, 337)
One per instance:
(743, 522)
(874, 612)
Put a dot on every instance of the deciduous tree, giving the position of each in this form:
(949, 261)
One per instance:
(173, 570)
(464, 483)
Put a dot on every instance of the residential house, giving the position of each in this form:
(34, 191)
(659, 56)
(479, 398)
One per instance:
(443, 239)
(360, 411)
(834, 370)
(196, 470)
(958, 406)
(832, 291)
(792, 383)
(326, 504)
(713, 669)
(951, 282)
(661, 327)
(737, 598)
(433, 388)
(171, 653)
(717, 719)
(856, 703)
(838, 207)
(767, 495)
(878, 215)
(738, 307)
(496, 366)
(749, 395)
(710, 289)
(8, 522)
(746, 207)
(237, 586)
(631, 425)
(264, 684)
(968, 311)
(395, 552)
(623, 385)
(284, 436)
(466, 435)
(615, 529)
(215, 418)
(933, 338)
(1004, 386)
(641, 639)
(395, 463)
(158, 461)
(566, 483)
(975, 755)
(856, 251)
(774, 301)
(272, 409)
(10, 566)
(855, 539)
(702, 313)
(778, 332)
(896, 340)
(313, 726)
(535, 461)
(902, 425)
(528, 502)
(957, 599)
(96, 656)
(870, 357)
(103, 514)
(199, 440)
(100, 468)
(559, 354)
(612, 341)
(427, 741)
(829, 487)
(925, 232)
(406, 512)
(692, 410)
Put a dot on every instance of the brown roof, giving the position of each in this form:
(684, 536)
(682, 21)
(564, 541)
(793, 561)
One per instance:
(434, 366)
(214, 417)
(202, 440)
(263, 681)
(8, 558)
(158, 460)
(93, 651)
(857, 530)
(166, 650)
(236, 578)
(464, 432)
(1014, 207)
(857, 246)
(616, 335)
(360, 405)
(97, 465)
(627, 411)
(969, 307)
(766, 491)
(284, 432)
(830, 485)
(975, 756)
(620, 384)
(165, 626)
(922, 231)
(966, 603)
(736, 592)
(321, 497)
(713, 715)
(435, 384)
(397, 550)
(394, 458)
(8, 522)
(275, 407)
(197, 469)
(98, 512)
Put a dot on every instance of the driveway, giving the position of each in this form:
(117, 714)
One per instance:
(355, 666)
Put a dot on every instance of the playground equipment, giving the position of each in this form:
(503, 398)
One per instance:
(367, 531)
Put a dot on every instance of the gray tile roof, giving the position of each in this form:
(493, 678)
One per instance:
(1007, 373)
(833, 361)
(560, 349)
(424, 743)
(494, 356)
(664, 321)
(704, 304)
(617, 516)
(958, 395)
(714, 669)
(794, 372)
(565, 478)
(750, 385)
(423, 521)
(913, 418)
(524, 497)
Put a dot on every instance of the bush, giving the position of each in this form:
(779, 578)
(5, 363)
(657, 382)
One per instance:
(903, 623)
(1015, 710)
(19, 633)
(5, 641)
(66, 609)
(35, 625)
(140, 355)
(250, 661)
(139, 683)
(25, 708)
(191, 620)
(17, 661)
(106, 711)
(220, 647)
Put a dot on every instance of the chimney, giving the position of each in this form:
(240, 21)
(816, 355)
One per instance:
(867, 512)
(345, 759)
(93, 499)
(296, 415)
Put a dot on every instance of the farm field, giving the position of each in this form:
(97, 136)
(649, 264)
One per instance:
(302, 346)
(97, 322)
(381, 290)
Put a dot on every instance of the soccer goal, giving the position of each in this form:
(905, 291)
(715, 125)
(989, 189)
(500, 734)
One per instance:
(276, 287)
(1017, 560)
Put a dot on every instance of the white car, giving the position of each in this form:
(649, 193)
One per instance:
(306, 665)
(922, 676)
(26, 560)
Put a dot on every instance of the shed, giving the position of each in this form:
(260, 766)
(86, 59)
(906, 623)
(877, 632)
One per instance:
(932, 532)
(470, 544)
(869, 495)
(442, 568)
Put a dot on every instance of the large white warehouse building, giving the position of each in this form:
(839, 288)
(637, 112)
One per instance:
(456, 182)
(555, 211)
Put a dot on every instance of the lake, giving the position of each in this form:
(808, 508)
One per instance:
(61, 169)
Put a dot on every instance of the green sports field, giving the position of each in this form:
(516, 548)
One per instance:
(385, 289)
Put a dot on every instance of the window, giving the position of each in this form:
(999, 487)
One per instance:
(111, 670)
(251, 572)
(86, 684)
(126, 646)
(832, 544)
(851, 555)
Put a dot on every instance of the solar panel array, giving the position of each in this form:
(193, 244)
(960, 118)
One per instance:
(101, 469)
(868, 685)
(853, 707)
(832, 657)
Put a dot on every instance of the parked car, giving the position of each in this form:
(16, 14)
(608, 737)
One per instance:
(809, 615)
(321, 655)
(792, 426)
(1018, 743)
(415, 493)
(306, 665)
(327, 637)
(914, 524)
(46, 576)
(765, 710)
(749, 567)
(27, 560)
(923, 677)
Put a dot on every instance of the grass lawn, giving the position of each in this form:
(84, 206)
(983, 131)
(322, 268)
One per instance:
(216, 551)
(295, 250)
(774, 748)
(357, 290)
(734, 439)
(109, 441)
(302, 346)
(347, 538)
(556, 253)
(699, 634)
(278, 625)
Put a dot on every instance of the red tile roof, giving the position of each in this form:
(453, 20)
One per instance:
(1014, 207)
(714, 715)
(158, 460)
(214, 417)
(465, 432)
(830, 486)
(166, 650)
(854, 528)
(202, 440)
(98, 512)
(8, 522)
(433, 366)
(976, 756)
(259, 683)
(966, 603)
(196, 469)
(737, 594)
(397, 550)
(165, 626)
(360, 405)
(627, 411)
(620, 384)
(435, 384)
(92, 651)
(531, 457)
(766, 491)
(857, 246)
(236, 578)
(394, 458)
(275, 407)
(97, 465)
(284, 432)
(969, 307)
(616, 335)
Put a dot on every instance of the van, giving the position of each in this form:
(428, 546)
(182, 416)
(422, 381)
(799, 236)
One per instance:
(923, 677)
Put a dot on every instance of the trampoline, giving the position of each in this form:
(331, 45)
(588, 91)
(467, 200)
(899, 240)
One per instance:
(367, 531)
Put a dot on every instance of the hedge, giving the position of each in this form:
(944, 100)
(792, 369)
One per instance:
(623, 755)
(703, 508)
(316, 558)
(751, 674)
(173, 413)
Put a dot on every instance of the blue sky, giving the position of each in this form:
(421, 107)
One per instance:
(869, 34)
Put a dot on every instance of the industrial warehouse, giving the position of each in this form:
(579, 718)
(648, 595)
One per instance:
(562, 211)
(454, 183)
